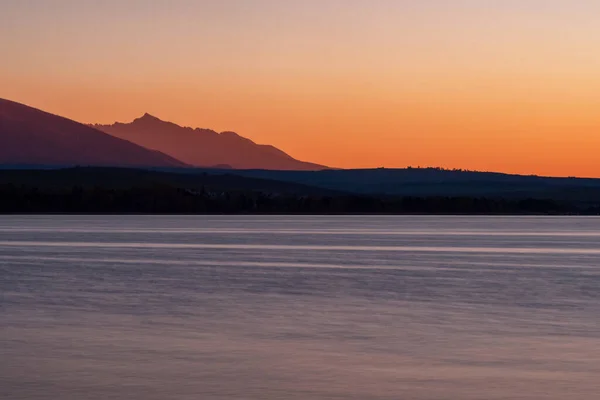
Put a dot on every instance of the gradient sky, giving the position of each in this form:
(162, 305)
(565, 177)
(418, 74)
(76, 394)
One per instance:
(500, 85)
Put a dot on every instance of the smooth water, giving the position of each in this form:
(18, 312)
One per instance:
(206, 307)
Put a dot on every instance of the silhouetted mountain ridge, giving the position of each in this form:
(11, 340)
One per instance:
(203, 147)
(29, 136)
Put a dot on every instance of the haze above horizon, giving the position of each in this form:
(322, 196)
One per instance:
(508, 86)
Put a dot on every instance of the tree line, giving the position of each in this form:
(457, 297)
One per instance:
(167, 199)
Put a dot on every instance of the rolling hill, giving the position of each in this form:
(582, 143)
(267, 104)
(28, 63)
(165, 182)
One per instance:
(438, 182)
(125, 178)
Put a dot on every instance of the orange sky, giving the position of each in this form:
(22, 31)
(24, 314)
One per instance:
(509, 86)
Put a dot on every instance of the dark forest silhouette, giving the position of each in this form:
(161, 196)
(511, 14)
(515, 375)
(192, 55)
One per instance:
(99, 190)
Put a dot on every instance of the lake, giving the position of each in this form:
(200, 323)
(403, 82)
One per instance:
(306, 307)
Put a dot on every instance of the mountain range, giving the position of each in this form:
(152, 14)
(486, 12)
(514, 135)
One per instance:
(204, 147)
(32, 137)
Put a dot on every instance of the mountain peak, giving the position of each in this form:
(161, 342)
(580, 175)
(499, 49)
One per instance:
(148, 117)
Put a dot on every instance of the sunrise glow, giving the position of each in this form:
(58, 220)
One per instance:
(511, 86)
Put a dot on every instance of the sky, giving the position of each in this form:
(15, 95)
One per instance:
(495, 85)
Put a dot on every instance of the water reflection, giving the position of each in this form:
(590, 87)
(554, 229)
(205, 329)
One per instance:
(235, 308)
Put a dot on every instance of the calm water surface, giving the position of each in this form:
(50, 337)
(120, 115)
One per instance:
(162, 307)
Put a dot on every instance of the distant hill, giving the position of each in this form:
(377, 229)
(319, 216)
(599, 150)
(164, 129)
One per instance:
(29, 136)
(438, 182)
(126, 178)
(204, 147)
